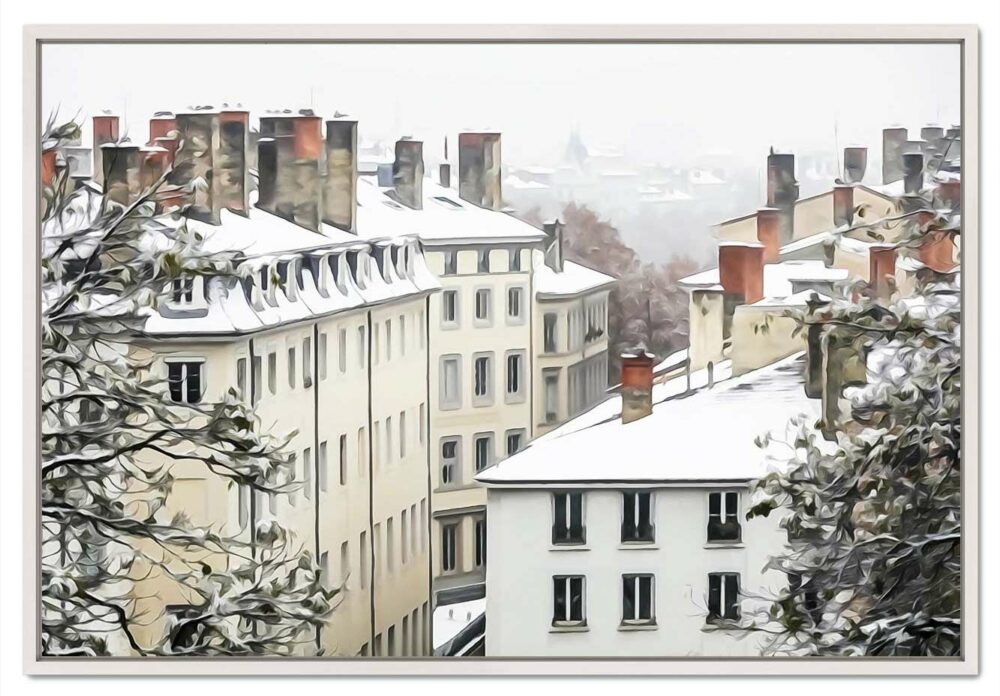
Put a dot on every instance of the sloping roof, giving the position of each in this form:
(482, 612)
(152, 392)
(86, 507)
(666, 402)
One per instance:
(574, 279)
(778, 277)
(707, 435)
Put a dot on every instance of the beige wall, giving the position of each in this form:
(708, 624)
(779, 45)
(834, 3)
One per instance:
(705, 321)
(762, 335)
(813, 215)
(739, 230)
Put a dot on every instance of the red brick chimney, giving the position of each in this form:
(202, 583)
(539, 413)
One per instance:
(160, 126)
(105, 131)
(288, 158)
(769, 233)
(881, 267)
(741, 270)
(843, 205)
(949, 193)
(637, 386)
(937, 251)
(48, 166)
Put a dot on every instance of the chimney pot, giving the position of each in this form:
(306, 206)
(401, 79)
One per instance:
(340, 185)
(843, 205)
(554, 245)
(408, 173)
(881, 267)
(637, 386)
(913, 172)
(105, 131)
(855, 164)
(769, 233)
(122, 172)
(479, 169)
(893, 143)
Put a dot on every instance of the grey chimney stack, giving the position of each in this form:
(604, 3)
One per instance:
(893, 143)
(913, 172)
(408, 173)
(479, 169)
(105, 131)
(855, 164)
(340, 186)
(122, 172)
(213, 148)
(288, 155)
(554, 245)
(231, 166)
(782, 190)
(444, 171)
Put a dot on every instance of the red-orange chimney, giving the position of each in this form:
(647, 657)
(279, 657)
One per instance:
(741, 270)
(637, 386)
(769, 233)
(881, 267)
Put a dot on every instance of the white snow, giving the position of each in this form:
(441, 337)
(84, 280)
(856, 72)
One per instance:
(449, 619)
(778, 277)
(708, 435)
(574, 279)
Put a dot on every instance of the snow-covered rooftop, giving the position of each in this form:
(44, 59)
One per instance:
(444, 217)
(779, 277)
(706, 436)
(449, 619)
(573, 280)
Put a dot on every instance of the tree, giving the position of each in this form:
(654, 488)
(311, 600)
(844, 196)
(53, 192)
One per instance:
(647, 308)
(873, 516)
(110, 436)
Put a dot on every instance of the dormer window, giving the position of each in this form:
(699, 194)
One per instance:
(182, 290)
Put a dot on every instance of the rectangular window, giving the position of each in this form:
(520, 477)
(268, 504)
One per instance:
(483, 262)
(637, 599)
(255, 378)
(567, 519)
(307, 374)
(362, 449)
(363, 556)
(241, 376)
(484, 298)
(449, 547)
(723, 516)
(321, 356)
(345, 562)
(243, 505)
(568, 601)
(182, 290)
(420, 328)
(637, 520)
(361, 346)
(414, 530)
(449, 460)
(376, 444)
(451, 382)
(272, 373)
(450, 263)
(387, 452)
(551, 397)
(376, 344)
(484, 450)
(293, 463)
(404, 530)
(423, 526)
(723, 596)
(307, 472)
(515, 440)
(184, 380)
(342, 350)
(480, 543)
(422, 422)
(402, 434)
(343, 460)
(402, 335)
(482, 386)
(449, 306)
(388, 339)
(515, 260)
(390, 544)
(377, 552)
(322, 466)
(291, 368)
(549, 331)
(514, 296)
(515, 376)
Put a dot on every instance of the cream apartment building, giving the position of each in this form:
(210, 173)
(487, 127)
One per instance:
(323, 317)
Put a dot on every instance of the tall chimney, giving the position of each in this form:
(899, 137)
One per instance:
(637, 386)
(444, 170)
(855, 164)
(913, 172)
(232, 172)
(105, 131)
(769, 233)
(122, 172)
(340, 186)
(288, 155)
(154, 163)
(479, 169)
(843, 205)
(198, 133)
(893, 142)
(554, 245)
(741, 270)
(408, 173)
(782, 190)
(49, 163)
(881, 267)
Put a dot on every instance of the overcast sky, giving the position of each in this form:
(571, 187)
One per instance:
(661, 102)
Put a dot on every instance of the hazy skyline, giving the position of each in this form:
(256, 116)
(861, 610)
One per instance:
(671, 103)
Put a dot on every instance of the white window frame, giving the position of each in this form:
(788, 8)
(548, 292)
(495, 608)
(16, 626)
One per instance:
(454, 463)
(636, 579)
(724, 515)
(565, 620)
(488, 438)
(454, 322)
(486, 398)
(554, 332)
(488, 304)
(450, 400)
(449, 548)
(519, 318)
(521, 394)
(521, 434)
(184, 362)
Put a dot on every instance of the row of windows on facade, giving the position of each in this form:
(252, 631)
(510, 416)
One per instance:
(588, 383)
(313, 476)
(483, 449)
(450, 388)
(583, 327)
(637, 526)
(638, 598)
(451, 313)
(410, 640)
(483, 261)
(451, 538)
(288, 275)
(186, 377)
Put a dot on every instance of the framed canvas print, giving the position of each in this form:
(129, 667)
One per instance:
(502, 350)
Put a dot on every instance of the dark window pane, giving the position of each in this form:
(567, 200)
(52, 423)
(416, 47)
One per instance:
(732, 590)
(193, 383)
(714, 503)
(576, 599)
(175, 381)
(576, 517)
(559, 531)
(559, 599)
(628, 597)
(714, 596)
